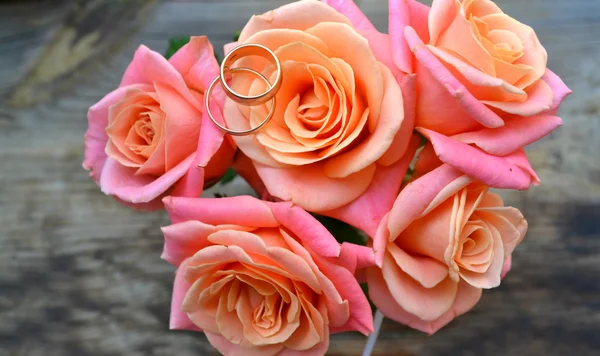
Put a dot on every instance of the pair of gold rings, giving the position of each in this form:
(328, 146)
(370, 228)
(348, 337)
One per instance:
(246, 100)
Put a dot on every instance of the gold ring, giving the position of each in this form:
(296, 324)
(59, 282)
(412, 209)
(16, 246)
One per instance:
(251, 49)
(227, 130)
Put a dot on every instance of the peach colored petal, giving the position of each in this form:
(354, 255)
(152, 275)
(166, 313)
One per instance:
(401, 142)
(404, 13)
(380, 140)
(149, 67)
(338, 308)
(360, 317)
(508, 172)
(455, 90)
(306, 228)
(310, 331)
(95, 136)
(506, 267)
(240, 210)
(429, 236)
(426, 303)
(184, 239)
(196, 63)
(368, 209)
(382, 48)
(310, 188)
(178, 319)
(427, 161)
(227, 348)
(517, 133)
(481, 8)
(417, 196)
(248, 241)
(539, 99)
(347, 44)
(466, 298)
(425, 270)
(491, 277)
(441, 15)
(354, 257)
(244, 312)
(460, 37)
(122, 182)
(534, 55)
(122, 118)
(560, 90)
(479, 84)
(299, 15)
(510, 224)
(182, 125)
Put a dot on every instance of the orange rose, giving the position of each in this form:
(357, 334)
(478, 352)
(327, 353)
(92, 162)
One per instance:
(339, 112)
(151, 136)
(483, 91)
(446, 238)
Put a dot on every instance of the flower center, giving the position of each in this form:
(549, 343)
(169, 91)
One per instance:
(142, 134)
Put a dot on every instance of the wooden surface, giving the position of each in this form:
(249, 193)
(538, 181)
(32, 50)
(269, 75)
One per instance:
(81, 275)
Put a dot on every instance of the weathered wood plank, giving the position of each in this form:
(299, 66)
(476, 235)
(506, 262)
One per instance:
(80, 275)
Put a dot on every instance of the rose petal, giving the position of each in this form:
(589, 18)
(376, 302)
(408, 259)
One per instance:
(149, 67)
(506, 267)
(560, 90)
(299, 15)
(308, 186)
(227, 348)
(380, 140)
(184, 239)
(466, 298)
(404, 13)
(508, 172)
(240, 210)
(426, 303)
(303, 225)
(420, 195)
(539, 98)
(196, 63)
(179, 319)
(457, 91)
(361, 317)
(517, 133)
(95, 136)
(366, 212)
(126, 185)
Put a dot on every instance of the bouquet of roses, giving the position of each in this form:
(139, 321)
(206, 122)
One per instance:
(373, 155)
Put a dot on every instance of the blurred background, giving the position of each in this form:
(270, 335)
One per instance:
(81, 275)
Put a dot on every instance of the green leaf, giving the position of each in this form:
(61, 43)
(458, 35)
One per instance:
(175, 43)
(408, 176)
(423, 140)
(229, 176)
(342, 231)
(236, 36)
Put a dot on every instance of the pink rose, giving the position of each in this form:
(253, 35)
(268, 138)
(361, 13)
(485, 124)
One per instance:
(446, 238)
(262, 278)
(483, 91)
(339, 123)
(150, 137)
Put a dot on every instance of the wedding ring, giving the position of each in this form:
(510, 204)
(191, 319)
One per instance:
(251, 49)
(227, 130)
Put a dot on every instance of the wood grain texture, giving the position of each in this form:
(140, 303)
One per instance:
(81, 275)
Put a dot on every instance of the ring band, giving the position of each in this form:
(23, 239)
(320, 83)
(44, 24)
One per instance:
(251, 49)
(227, 130)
